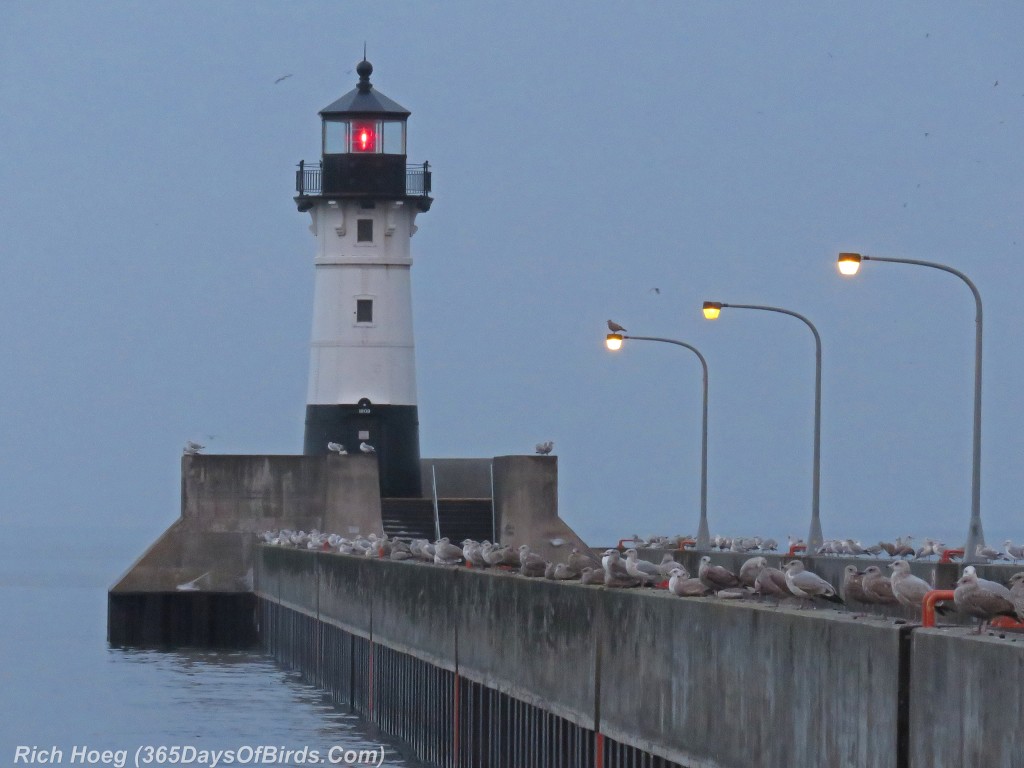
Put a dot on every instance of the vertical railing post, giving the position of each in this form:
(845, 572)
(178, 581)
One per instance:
(300, 182)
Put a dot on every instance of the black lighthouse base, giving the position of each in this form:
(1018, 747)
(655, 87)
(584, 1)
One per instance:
(392, 430)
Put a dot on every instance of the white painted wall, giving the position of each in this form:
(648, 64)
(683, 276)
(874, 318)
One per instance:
(350, 360)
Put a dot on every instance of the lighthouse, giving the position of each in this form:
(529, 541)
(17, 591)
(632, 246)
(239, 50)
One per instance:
(363, 198)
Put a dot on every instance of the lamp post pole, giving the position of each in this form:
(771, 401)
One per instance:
(975, 534)
(703, 532)
(814, 537)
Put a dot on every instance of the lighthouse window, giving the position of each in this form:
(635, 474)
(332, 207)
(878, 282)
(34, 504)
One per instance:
(364, 231)
(394, 138)
(335, 137)
(364, 310)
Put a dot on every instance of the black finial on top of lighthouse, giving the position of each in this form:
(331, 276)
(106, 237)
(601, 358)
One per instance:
(364, 69)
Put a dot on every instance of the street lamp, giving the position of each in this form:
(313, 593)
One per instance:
(814, 539)
(614, 342)
(849, 264)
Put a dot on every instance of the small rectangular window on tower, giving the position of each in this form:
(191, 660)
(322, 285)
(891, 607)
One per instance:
(364, 231)
(364, 310)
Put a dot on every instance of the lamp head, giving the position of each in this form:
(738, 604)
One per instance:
(712, 309)
(613, 341)
(849, 263)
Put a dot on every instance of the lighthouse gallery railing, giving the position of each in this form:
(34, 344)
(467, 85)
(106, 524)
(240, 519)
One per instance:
(309, 179)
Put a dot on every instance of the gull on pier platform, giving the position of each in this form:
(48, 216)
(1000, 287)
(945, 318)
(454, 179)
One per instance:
(808, 585)
(983, 599)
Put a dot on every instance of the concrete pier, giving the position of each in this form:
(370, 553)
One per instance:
(690, 682)
(485, 668)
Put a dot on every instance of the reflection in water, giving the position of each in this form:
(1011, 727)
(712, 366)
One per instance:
(241, 698)
(64, 686)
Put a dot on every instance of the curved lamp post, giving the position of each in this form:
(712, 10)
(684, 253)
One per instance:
(814, 539)
(614, 342)
(849, 264)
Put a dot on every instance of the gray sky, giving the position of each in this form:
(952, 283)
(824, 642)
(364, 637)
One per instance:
(156, 280)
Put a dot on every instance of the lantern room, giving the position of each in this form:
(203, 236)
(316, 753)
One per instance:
(364, 144)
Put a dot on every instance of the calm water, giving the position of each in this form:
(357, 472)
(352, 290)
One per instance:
(61, 685)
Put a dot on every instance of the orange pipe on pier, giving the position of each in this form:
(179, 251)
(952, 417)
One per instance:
(928, 605)
(949, 554)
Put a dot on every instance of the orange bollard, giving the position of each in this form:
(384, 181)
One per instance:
(949, 554)
(928, 605)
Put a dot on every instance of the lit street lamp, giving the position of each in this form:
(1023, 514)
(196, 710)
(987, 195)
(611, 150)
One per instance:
(614, 342)
(849, 264)
(712, 309)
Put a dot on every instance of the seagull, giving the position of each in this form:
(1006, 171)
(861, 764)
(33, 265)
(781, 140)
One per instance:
(808, 585)
(715, 576)
(615, 327)
(771, 582)
(283, 77)
(337, 448)
(646, 571)
(852, 587)
(367, 448)
(446, 553)
(563, 572)
(473, 554)
(750, 570)
(1016, 553)
(615, 573)
(533, 568)
(908, 588)
(580, 561)
(988, 553)
(682, 586)
(877, 588)
(192, 448)
(669, 564)
(544, 448)
(983, 600)
(528, 559)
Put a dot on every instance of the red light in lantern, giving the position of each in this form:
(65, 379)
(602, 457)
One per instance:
(364, 137)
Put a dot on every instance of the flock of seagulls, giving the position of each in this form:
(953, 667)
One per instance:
(973, 596)
(904, 548)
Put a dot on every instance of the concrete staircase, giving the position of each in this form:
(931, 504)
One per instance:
(459, 519)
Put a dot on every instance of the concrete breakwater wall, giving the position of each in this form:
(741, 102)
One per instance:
(586, 676)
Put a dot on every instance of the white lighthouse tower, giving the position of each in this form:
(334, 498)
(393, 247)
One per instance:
(363, 199)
